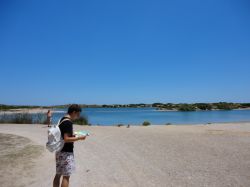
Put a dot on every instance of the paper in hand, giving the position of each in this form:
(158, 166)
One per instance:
(81, 133)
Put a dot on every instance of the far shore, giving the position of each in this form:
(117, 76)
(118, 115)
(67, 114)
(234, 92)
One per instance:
(175, 110)
(44, 110)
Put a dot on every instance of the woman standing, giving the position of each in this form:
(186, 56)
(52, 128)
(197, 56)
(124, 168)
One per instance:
(49, 117)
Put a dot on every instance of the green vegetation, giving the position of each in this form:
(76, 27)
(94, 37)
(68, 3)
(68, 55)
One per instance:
(226, 106)
(186, 107)
(245, 105)
(158, 106)
(201, 106)
(120, 125)
(146, 123)
(83, 120)
(23, 118)
(167, 106)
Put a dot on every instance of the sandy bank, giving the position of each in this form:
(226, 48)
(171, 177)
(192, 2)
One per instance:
(200, 155)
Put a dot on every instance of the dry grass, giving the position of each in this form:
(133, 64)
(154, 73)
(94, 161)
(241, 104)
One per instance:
(16, 158)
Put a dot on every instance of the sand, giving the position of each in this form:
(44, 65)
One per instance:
(30, 111)
(199, 155)
(12, 151)
(25, 110)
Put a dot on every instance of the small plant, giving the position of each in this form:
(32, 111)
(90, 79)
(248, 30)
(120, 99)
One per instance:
(146, 123)
(83, 120)
(168, 124)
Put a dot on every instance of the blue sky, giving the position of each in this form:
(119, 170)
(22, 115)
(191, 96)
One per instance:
(58, 52)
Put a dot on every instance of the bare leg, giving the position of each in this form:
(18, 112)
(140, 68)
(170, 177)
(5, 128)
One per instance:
(65, 181)
(56, 182)
(49, 122)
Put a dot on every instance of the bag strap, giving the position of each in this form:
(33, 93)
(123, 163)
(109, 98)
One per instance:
(60, 122)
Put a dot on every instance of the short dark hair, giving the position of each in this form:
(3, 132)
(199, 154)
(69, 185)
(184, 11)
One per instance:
(74, 108)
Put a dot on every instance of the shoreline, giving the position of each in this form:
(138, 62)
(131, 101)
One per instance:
(175, 110)
(200, 124)
(171, 124)
(55, 110)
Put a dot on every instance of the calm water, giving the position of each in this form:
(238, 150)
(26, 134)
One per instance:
(136, 116)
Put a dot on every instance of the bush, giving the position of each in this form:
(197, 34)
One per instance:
(224, 106)
(146, 123)
(83, 120)
(203, 106)
(168, 124)
(23, 118)
(245, 105)
(157, 104)
(20, 118)
(4, 118)
(186, 107)
(39, 118)
(28, 118)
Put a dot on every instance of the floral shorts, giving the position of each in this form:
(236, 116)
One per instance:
(65, 163)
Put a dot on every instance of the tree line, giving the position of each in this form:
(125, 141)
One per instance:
(158, 106)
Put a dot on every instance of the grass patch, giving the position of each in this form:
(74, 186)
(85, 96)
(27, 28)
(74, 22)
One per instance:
(17, 156)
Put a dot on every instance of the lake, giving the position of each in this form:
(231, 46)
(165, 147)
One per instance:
(136, 116)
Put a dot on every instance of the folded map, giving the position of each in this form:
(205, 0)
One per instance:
(81, 133)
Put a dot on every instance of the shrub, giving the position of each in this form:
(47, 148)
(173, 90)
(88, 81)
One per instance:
(20, 118)
(245, 105)
(4, 118)
(23, 118)
(146, 123)
(157, 104)
(83, 120)
(39, 118)
(224, 106)
(168, 124)
(186, 107)
(203, 106)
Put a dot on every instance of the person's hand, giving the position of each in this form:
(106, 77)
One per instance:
(81, 137)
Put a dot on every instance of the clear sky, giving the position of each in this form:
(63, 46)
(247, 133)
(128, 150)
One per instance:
(133, 51)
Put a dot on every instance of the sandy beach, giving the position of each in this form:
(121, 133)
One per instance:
(199, 155)
(25, 110)
(30, 111)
